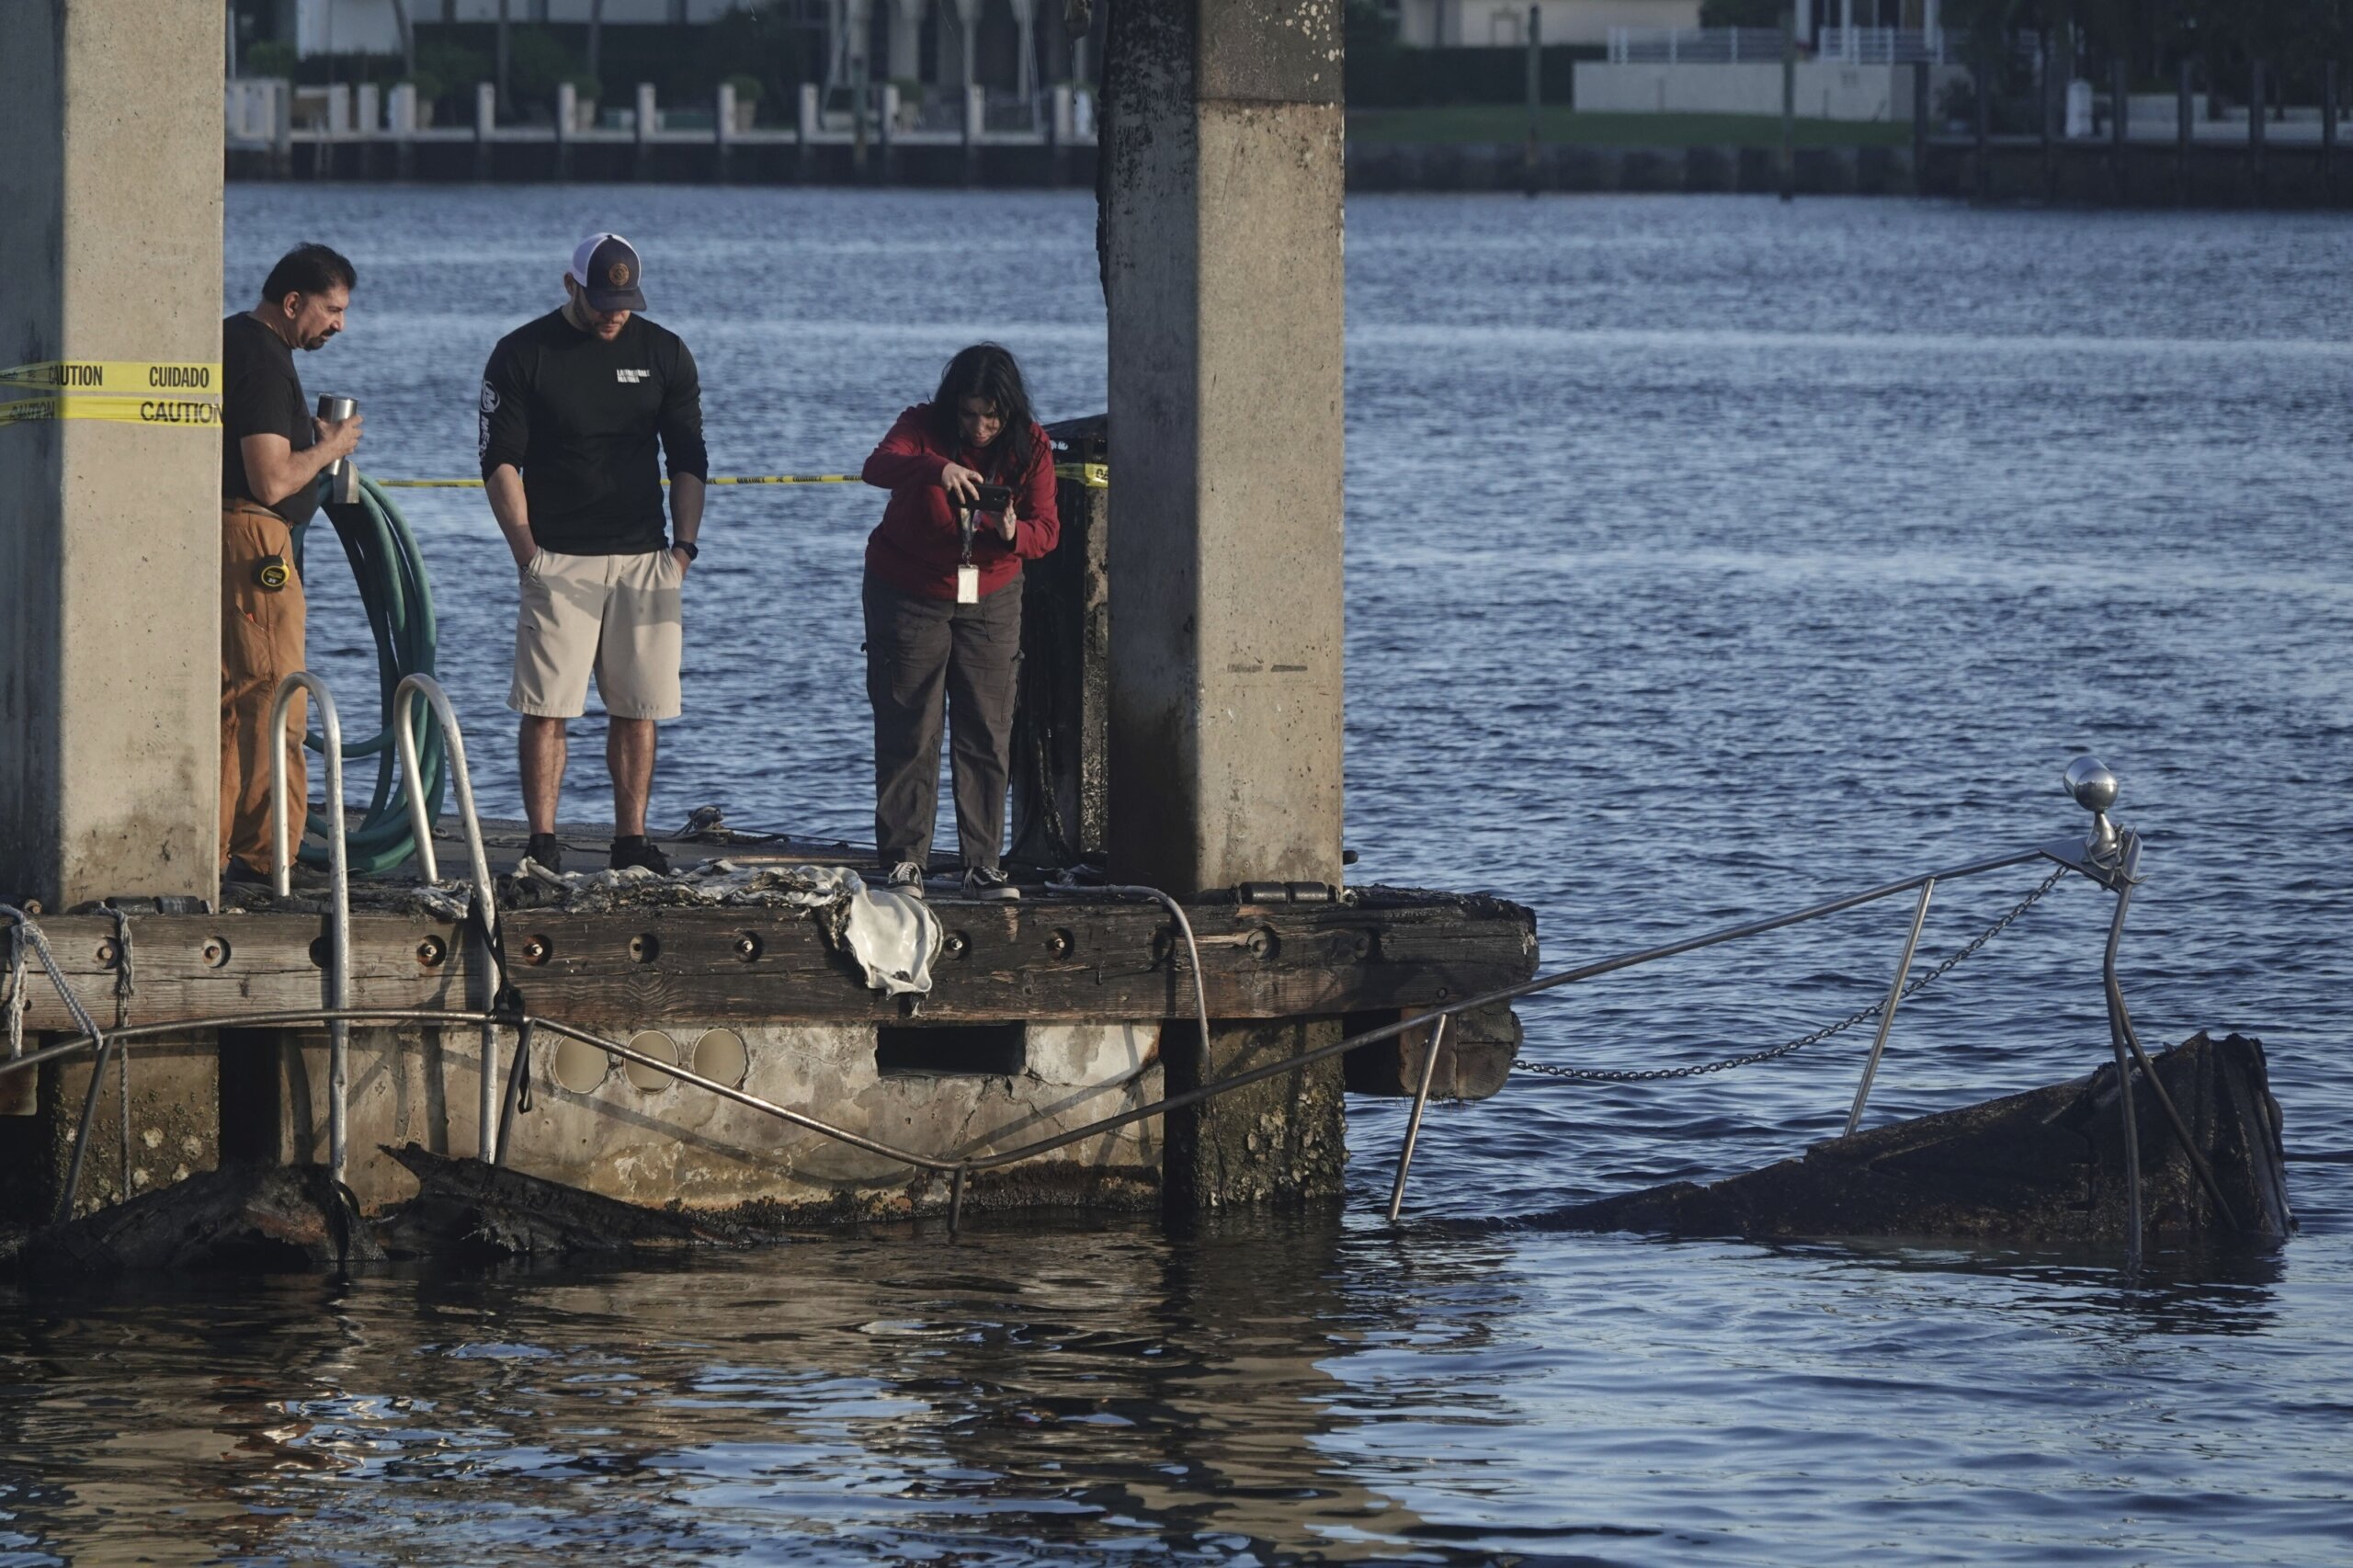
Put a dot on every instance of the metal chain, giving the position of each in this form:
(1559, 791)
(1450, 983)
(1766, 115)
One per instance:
(1592, 1075)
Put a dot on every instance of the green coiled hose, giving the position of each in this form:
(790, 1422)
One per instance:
(397, 597)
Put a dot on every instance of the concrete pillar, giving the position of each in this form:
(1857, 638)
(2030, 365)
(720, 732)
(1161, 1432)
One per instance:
(175, 1128)
(567, 113)
(1025, 49)
(649, 115)
(724, 130)
(968, 35)
(109, 625)
(368, 124)
(859, 32)
(971, 122)
(1057, 130)
(1223, 276)
(401, 121)
(1221, 215)
(906, 39)
(805, 148)
(281, 128)
(485, 124)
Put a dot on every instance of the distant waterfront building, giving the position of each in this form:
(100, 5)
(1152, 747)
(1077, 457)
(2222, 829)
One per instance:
(930, 52)
(1491, 24)
(372, 27)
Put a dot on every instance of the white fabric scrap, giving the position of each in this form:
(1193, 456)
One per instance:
(894, 936)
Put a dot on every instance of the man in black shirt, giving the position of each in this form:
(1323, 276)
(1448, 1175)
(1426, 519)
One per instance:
(574, 406)
(271, 454)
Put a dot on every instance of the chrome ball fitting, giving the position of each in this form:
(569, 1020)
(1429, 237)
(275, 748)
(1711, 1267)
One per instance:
(2091, 786)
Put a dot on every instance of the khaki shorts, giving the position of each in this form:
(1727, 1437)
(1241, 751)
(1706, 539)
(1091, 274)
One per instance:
(617, 615)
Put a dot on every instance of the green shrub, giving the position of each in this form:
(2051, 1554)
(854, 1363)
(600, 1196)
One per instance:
(270, 58)
(452, 67)
(536, 64)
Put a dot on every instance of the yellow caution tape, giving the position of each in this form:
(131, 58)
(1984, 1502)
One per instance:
(182, 413)
(790, 479)
(116, 378)
(724, 479)
(1095, 476)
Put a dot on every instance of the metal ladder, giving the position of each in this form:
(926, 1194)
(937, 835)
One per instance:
(485, 890)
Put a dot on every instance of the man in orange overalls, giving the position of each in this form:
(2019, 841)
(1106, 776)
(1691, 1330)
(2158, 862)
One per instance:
(272, 452)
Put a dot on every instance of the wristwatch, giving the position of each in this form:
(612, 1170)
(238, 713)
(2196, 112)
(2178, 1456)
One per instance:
(692, 550)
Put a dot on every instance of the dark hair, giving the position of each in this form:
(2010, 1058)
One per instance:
(986, 370)
(308, 270)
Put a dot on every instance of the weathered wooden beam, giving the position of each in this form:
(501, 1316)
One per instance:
(1473, 1064)
(1045, 958)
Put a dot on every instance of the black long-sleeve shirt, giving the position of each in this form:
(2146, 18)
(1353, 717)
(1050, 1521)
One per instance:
(580, 416)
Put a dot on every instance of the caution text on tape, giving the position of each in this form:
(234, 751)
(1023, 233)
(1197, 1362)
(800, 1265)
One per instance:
(176, 413)
(116, 378)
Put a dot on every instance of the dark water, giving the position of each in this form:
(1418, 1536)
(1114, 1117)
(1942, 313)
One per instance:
(1706, 557)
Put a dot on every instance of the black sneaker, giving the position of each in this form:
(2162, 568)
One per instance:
(987, 882)
(906, 877)
(639, 850)
(547, 850)
(237, 874)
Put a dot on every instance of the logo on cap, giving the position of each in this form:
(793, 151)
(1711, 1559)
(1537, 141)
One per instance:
(618, 275)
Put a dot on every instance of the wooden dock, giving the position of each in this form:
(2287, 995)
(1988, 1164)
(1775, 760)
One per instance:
(1043, 1015)
(1060, 958)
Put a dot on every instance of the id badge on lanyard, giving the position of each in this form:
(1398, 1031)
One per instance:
(967, 584)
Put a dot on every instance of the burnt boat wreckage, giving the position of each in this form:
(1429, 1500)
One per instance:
(512, 1064)
(2181, 1149)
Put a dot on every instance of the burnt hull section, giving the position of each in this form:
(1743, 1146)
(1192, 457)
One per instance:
(242, 1218)
(2048, 1165)
(469, 1211)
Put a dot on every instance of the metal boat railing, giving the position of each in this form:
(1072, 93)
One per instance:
(486, 889)
(338, 967)
(2109, 858)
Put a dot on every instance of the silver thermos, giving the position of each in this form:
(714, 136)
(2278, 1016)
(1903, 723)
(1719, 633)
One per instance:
(343, 479)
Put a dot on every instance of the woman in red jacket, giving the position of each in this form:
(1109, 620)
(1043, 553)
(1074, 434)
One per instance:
(943, 609)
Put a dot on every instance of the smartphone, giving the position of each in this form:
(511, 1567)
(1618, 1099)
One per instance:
(993, 498)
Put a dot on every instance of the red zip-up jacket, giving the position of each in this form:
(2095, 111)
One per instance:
(916, 546)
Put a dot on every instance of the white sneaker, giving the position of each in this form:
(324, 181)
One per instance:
(987, 882)
(906, 877)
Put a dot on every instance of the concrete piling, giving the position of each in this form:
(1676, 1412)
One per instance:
(109, 629)
(109, 486)
(1224, 276)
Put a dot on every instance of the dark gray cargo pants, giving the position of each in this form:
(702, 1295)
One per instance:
(915, 647)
